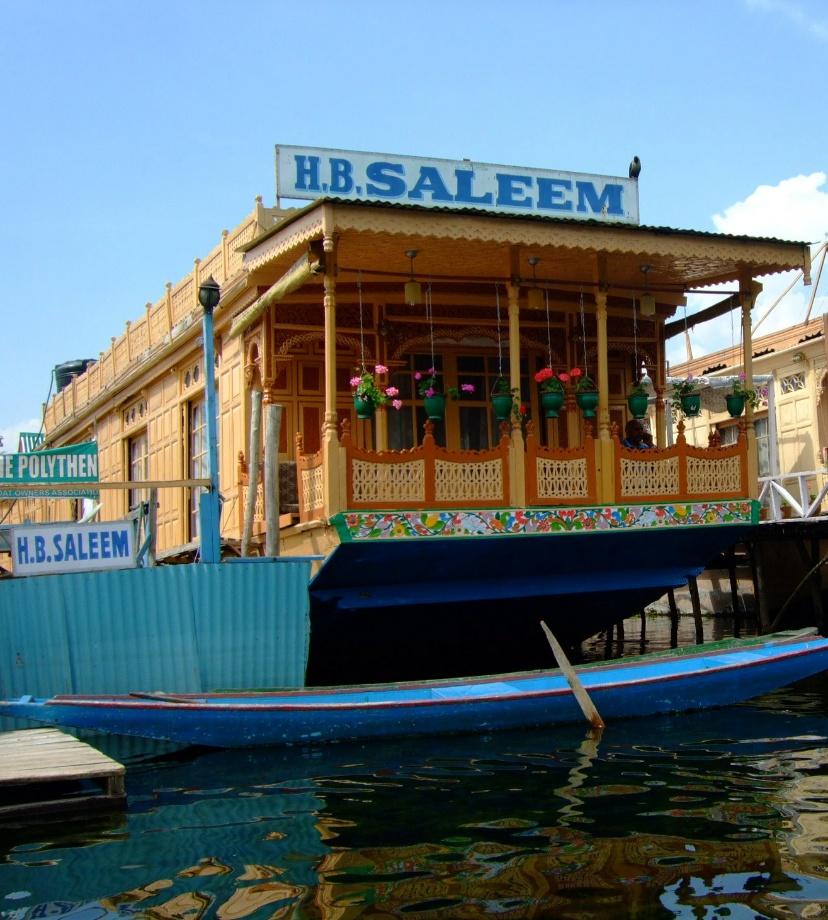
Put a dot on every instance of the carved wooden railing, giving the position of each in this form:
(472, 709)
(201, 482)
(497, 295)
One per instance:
(427, 476)
(157, 326)
(259, 507)
(681, 472)
(310, 483)
(560, 475)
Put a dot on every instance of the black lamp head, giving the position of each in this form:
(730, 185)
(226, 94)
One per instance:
(208, 294)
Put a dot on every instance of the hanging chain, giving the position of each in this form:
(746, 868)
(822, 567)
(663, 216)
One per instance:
(548, 334)
(499, 345)
(583, 331)
(637, 371)
(430, 321)
(361, 330)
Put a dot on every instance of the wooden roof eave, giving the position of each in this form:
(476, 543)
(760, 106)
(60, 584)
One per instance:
(679, 260)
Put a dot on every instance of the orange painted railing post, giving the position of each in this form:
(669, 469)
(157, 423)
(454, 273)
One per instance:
(430, 463)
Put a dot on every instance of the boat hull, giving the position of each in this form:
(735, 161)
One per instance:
(702, 677)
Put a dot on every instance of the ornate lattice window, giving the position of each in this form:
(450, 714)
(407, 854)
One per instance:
(793, 382)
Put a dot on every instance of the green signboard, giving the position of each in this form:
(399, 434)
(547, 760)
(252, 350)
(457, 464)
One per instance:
(61, 467)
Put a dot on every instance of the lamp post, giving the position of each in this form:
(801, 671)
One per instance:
(208, 503)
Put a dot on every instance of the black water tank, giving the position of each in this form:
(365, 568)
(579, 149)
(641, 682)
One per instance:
(64, 373)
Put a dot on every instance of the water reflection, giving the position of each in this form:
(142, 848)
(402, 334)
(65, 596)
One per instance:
(687, 817)
(703, 815)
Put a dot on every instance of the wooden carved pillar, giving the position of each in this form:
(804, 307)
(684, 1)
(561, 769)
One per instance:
(330, 440)
(660, 433)
(604, 445)
(273, 435)
(603, 367)
(517, 477)
(746, 297)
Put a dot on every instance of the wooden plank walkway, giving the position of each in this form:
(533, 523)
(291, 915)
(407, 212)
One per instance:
(43, 769)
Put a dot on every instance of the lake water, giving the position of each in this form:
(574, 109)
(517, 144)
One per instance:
(717, 814)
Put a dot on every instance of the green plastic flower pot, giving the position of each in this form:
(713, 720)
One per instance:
(735, 404)
(435, 407)
(502, 405)
(588, 402)
(638, 405)
(691, 404)
(551, 403)
(364, 407)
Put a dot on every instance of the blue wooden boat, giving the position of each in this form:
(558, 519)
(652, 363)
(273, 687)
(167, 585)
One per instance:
(696, 677)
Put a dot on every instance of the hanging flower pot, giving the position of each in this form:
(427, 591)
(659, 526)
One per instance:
(587, 401)
(551, 402)
(502, 405)
(735, 404)
(364, 407)
(691, 404)
(435, 406)
(637, 403)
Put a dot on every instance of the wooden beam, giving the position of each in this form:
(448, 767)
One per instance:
(678, 326)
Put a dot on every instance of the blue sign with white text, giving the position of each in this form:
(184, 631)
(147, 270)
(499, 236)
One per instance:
(51, 549)
(311, 172)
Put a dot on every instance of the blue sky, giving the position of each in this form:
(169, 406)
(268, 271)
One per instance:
(134, 132)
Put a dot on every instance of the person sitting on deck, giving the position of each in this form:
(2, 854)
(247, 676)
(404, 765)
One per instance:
(635, 437)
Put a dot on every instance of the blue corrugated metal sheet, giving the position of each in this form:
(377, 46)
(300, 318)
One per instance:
(174, 628)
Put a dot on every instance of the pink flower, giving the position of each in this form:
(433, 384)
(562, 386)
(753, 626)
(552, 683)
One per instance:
(430, 391)
(564, 377)
(355, 381)
(397, 404)
(391, 391)
(418, 375)
(380, 369)
(467, 387)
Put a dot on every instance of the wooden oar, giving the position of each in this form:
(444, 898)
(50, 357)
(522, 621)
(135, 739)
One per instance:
(578, 690)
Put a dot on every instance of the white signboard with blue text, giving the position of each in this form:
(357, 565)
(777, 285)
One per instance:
(52, 549)
(315, 172)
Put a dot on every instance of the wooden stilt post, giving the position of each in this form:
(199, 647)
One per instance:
(692, 584)
(152, 525)
(816, 584)
(642, 639)
(671, 597)
(271, 474)
(734, 592)
(760, 612)
(253, 468)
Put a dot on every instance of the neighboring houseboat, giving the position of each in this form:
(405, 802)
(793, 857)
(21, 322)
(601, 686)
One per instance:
(454, 534)
(791, 419)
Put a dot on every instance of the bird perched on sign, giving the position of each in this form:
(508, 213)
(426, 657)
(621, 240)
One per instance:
(635, 167)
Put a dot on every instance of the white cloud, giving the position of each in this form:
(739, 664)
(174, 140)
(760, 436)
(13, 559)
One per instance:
(805, 21)
(795, 209)
(11, 434)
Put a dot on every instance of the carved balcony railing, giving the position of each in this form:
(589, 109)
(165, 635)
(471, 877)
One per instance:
(288, 499)
(560, 475)
(681, 472)
(427, 476)
(243, 480)
(310, 483)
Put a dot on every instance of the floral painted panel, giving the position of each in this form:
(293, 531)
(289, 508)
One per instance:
(382, 525)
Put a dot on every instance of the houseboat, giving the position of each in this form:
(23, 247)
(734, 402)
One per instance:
(448, 527)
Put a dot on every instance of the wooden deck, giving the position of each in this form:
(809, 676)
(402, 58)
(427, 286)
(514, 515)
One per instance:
(45, 770)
